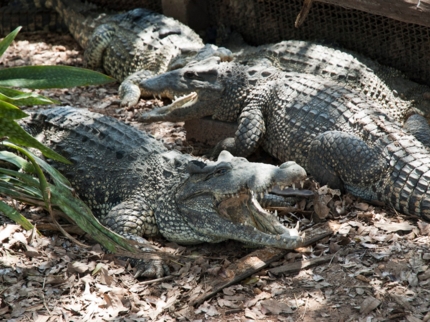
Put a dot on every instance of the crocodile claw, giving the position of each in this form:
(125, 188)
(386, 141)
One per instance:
(153, 268)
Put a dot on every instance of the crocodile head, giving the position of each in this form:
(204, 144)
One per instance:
(194, 89)
(221, 200)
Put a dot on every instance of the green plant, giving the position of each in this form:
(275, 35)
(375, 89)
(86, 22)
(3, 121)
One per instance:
(23, 175)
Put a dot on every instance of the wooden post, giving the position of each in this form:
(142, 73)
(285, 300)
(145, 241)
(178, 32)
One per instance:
(410, 11)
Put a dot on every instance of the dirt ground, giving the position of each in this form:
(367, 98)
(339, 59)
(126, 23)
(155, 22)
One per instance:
(378, 267)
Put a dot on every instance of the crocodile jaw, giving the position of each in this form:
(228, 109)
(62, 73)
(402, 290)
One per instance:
(244, 209)
(182, 105)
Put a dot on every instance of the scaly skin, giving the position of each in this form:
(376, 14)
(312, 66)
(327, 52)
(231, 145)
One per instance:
(390, 87)
(340, 136)
(132, 45)
(136, 187)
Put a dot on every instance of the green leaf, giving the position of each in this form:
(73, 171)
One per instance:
(4, 44)
(27, 179)
(56, 176)
(20, 98)
(51, 77)
(19, 191)
(26, 188)
(10, 111)
(17, 135)
(15, 216)
(17, 161)
(77, 210)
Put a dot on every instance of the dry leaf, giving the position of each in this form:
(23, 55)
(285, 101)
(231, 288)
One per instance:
(114, 305)
(411, 318)
(7, 231)
(393, 227)
(369, 304)
(402, 301)
(276, 307)
(317, 278)
(362, 206)
(77, 267)
(227, 303)
(320, 205)
(42, 318)
(250, 314)
(424, 227)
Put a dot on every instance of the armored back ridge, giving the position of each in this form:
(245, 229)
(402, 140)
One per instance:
(138, 188)
(390, 87)
(132, 45)
(340, 136)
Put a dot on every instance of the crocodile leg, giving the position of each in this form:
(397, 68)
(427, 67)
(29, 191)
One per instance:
(129, 90)
(249, 134)
(133, 219)
(343, 160)
(97, 45)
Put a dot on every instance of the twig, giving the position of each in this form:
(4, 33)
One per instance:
(156, 280)
(44, 302)
(297, 266)
(301, 17)
(306, 308)
(65, 233)
(242, 269)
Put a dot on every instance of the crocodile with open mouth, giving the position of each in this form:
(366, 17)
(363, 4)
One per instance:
(137, 187)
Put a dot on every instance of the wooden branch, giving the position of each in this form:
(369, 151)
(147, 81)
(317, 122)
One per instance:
(297, 266)
(240, 270)
(303, 14)
(410, 11)
(260, 259)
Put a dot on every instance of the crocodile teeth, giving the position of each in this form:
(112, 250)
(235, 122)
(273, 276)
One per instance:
(261, 195)
(302, 183)
(294, 186)
(275, 212)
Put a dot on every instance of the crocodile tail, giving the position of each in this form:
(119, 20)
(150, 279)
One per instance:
(407, 187)
(80, 18)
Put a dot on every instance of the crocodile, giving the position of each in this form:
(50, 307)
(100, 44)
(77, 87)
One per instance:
(340, 136)
(132, 45)
(394, 91)
(137, 187)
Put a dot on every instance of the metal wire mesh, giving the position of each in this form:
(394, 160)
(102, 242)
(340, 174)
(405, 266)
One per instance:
(23, 14)
(121, 5)
(390, 42)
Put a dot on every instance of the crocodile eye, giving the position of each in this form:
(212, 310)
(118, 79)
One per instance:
(220, 171)
(190, 75)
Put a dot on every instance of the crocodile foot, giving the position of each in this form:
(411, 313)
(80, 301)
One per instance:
(153, 268)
